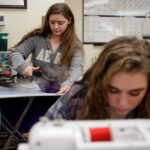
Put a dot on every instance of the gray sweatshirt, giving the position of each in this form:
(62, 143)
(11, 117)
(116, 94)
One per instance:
(40, 49)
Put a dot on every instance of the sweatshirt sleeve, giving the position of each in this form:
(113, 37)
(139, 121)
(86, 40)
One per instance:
(19, 55)
(75, 68)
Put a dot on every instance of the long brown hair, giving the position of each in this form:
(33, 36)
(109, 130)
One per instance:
(121, 54)
(69, 38)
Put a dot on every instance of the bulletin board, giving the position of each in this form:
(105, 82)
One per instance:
(108, 19)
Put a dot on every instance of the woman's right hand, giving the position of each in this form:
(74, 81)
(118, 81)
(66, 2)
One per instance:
(28, 71)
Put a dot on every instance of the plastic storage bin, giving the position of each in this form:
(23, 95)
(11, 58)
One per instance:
(3, 41)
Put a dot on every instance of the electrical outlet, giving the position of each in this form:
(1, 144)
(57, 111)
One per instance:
(2, 20)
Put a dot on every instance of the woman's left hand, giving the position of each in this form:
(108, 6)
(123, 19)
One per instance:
(64, 89)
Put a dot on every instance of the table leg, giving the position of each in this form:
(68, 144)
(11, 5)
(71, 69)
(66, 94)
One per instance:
(14, 131)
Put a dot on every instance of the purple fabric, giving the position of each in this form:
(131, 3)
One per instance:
(49, 86)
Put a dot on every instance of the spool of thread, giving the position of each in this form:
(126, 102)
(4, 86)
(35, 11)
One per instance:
(100, 134)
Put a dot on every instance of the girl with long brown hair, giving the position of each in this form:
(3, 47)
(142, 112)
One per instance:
(56, 50)
(116, 86)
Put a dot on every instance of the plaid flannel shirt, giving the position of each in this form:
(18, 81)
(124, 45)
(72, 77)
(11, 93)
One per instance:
(68, 106)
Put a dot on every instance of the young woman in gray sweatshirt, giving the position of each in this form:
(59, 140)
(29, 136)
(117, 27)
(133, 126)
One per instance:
(56, 50)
